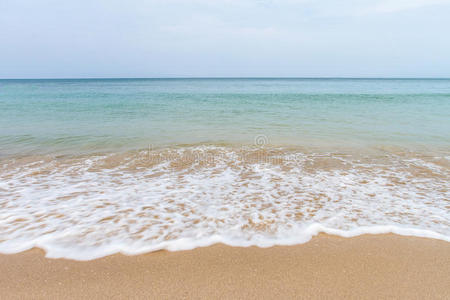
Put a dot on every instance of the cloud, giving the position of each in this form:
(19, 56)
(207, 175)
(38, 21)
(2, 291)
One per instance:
(78, 38)
(392, 6)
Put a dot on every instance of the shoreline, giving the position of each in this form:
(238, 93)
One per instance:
(367, 266)
(311, 233)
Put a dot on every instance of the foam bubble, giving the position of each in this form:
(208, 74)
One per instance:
(182, 198)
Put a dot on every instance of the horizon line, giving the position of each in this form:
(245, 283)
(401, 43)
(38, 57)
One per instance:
(215, 77)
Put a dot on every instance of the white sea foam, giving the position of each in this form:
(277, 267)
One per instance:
(177, 199)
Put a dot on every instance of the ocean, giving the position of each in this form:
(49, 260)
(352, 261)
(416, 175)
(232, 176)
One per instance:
(99, 166)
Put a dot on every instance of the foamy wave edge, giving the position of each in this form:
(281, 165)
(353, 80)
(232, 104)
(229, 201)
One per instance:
(188, 243)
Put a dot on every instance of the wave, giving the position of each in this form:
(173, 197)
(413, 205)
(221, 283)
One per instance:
(180, 198)
(83, 254)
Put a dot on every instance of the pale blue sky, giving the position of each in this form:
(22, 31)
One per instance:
(202, 38)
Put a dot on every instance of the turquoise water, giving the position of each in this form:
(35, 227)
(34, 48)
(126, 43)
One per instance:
(81, 116)
(89, 168)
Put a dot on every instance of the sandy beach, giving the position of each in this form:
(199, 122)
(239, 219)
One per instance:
(369, 266)
(224, 149)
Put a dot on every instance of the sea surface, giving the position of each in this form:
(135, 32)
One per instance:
(94, 167)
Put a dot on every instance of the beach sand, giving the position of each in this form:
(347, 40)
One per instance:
(369, 266)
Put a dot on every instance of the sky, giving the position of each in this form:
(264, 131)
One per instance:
(224, 38)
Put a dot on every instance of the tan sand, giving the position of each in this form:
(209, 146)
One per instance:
(370, 266)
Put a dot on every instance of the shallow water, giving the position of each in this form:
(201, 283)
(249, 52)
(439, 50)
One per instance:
(94, 167)
(82, 116)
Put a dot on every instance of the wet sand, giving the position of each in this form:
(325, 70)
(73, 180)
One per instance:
(369, 266)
